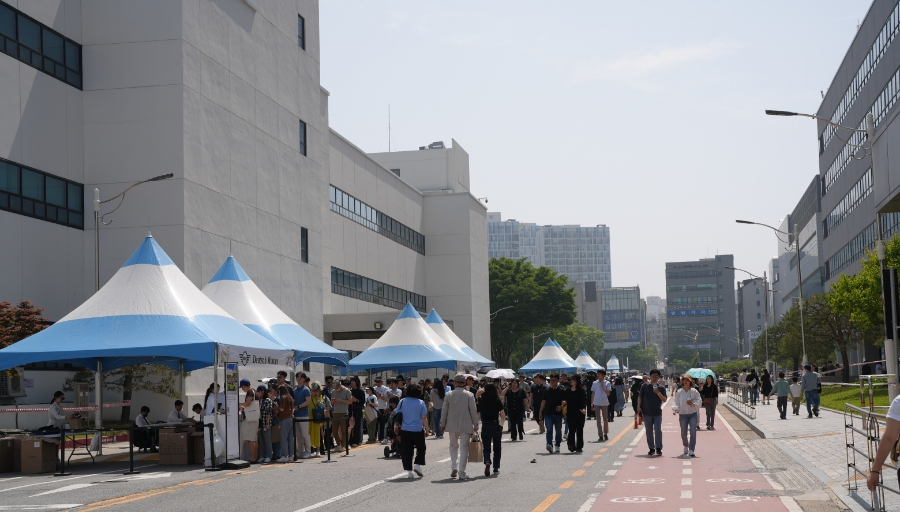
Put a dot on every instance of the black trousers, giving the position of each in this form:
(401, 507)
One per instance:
(517, 424)
(409, 442)
(612, 411)
(576, 432)
(781, 403)
(382, 420)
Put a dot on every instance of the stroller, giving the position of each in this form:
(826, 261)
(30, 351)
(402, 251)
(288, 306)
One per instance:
(393, 449)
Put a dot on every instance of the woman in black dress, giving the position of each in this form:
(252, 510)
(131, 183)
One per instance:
(576, 409)
(766, 380)
(515, 409)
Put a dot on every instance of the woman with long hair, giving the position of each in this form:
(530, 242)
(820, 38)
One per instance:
(687, 406)
(56, 416)
(438, 392)
(576, 405)
(516, 399)
(766, 380)
(319, 405)
(621, 395)
(492, 419)
(286, 417)
(709, 392)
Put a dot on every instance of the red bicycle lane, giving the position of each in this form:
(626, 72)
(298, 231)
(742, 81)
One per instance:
(673, 482)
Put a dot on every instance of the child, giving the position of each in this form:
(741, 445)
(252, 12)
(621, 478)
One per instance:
(796, 394)
(782, 390)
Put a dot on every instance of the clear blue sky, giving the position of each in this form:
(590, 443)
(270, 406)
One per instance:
(644, 116)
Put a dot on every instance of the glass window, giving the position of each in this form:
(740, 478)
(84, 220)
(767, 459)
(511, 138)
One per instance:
(32, 184)
(7, 21)
(56, 191)
(301, 30)
(73, 57)
(302, 137)
(304, 245)
(76, 197)
(9, 178)
(53, 46)
(29, 33)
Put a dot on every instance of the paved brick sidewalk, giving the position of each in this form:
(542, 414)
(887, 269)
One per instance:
(817, 443)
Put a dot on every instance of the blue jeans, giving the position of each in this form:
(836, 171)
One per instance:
(554, 420)
(812, 402)
(653, 425)
(491, 434)
(437, 423)
(688, 422)
(265, 443)
(287, 437)
(754, 395)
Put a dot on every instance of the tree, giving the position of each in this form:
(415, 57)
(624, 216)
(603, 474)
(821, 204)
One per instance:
(576, 337)
(525, 299)
(20, 321)
(128, 379)
(639, 358)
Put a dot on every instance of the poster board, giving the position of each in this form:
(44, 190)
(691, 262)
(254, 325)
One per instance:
(232, 396)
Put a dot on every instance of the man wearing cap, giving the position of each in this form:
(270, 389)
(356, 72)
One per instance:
(459, 420)
(809, 385)
(176, 416)
(301, 411)
(381, 400)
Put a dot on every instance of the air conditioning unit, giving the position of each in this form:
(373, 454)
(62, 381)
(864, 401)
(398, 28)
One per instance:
(12, 387)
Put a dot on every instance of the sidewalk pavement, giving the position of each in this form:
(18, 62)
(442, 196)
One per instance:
(818, 444)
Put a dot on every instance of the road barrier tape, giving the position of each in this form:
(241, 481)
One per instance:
(68, 409)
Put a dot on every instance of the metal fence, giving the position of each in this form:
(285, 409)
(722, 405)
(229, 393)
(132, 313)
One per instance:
(740, 397)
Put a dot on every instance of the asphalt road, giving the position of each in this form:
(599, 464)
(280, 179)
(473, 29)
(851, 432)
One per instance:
(365, 482)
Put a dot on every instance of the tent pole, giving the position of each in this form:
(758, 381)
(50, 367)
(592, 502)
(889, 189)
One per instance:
(98, 394)
(181, 389)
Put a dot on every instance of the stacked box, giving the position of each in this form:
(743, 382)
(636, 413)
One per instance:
(39, 454)
(199, 450)
(175, 448)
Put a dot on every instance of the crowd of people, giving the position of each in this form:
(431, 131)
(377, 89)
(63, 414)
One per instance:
(796, 387)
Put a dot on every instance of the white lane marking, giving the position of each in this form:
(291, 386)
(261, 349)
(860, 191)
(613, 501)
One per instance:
(637, 437)
(628, 450)
(8, 479)
(617, 463)
(38, 507)
(623, 456)
(349, 493)
(687, 494)
(601, 484)
(686, 481)
(444, 460)
(530, 431)
(146, 476)
(63, 489)
(685, 510)
(73, 478)
(586, 507)
(687, 471)
(686, 463)
(611, 472)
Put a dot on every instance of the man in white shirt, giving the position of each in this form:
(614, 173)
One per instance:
(176, 416)
(600, 391)
(381, 397)
(145, 439)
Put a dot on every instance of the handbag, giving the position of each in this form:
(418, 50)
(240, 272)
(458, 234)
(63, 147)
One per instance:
(251, 412)
(707, 401)
(476, 449)
(318, 412)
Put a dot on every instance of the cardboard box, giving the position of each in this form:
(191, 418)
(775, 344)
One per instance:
(39, 455)
(175, 448)
(17, 451)
(74, 424)
(7, 454)
(198, 454)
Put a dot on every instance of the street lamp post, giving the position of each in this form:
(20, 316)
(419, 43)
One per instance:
(890, 347)
(533, 336)
(796, 235)
(98, 219)
(766, 300)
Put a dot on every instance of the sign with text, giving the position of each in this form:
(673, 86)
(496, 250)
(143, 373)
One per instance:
(258, 359)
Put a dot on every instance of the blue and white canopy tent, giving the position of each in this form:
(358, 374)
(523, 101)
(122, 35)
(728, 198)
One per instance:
(613, 365)
(437, 324)
(148, 312)
(587, 363)
(550, 357)
(233, 290)
(409, 344)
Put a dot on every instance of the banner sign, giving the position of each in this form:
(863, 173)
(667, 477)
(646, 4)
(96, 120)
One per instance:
(232, 392)
(694, 312)
(258, 359)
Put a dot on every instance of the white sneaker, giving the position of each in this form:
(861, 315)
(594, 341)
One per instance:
(410, 475)
(306, 456)
(417, 470)
(691, 453)
(556, 450)
(463, 476)
(686, 450)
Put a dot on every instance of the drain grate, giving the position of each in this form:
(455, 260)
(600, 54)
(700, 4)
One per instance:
(758, 470)
(764, 493)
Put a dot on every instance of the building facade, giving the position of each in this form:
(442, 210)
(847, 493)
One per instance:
(580, 253)
(226, 96)
(656, 323)
(618, 312)
(751, 307)
(700, 299)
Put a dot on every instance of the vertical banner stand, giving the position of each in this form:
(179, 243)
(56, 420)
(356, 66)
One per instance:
(232, 423)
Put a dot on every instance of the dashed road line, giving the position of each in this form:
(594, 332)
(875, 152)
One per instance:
(611, 472)
(567, 484)
(578, 473)
(544, 505)
(586, 507)
(687, 495)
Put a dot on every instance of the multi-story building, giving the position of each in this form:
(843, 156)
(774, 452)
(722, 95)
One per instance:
(656, 323)
(619, 312)
(580, 253)
(225, 95)
(751, 307)
(852, 191)
(701, 306)
(775, 310)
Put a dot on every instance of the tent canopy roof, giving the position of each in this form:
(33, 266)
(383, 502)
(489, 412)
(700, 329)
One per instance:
(233, 290)
(148, 312)
(585, 361)
(550, 357)
(443, 330)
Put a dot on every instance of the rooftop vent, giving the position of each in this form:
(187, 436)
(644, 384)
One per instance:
(436, 145)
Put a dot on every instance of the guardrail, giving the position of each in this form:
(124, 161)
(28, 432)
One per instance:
(862, 434)
(739, 394)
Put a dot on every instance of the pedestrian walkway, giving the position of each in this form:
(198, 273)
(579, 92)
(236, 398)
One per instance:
(817, 443)
(721, 473)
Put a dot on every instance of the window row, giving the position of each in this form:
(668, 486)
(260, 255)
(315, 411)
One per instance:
(885, 38)
(692, 287)
(852, 252)
(356, 286)
(686, 274)
(854, 197)
(37, 194)
(348, 206)
(31, 42)
(695, 300)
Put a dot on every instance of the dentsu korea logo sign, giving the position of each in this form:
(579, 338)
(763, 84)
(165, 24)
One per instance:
(247, 358)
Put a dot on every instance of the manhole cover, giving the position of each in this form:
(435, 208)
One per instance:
(758, 470)
(764, 493)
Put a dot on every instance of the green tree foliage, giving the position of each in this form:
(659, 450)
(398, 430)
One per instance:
(126, 380)
(576, 337)
(527, 300)
(20, 321)
(637, 358)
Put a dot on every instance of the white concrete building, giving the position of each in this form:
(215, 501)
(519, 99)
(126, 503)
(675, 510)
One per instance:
(226, 96)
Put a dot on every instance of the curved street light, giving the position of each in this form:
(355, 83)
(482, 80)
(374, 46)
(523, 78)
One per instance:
(766, 299)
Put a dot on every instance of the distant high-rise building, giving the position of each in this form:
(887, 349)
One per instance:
(580, 253)
(656, 323)
(619, 312)
(701, 306)
(751, 312)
